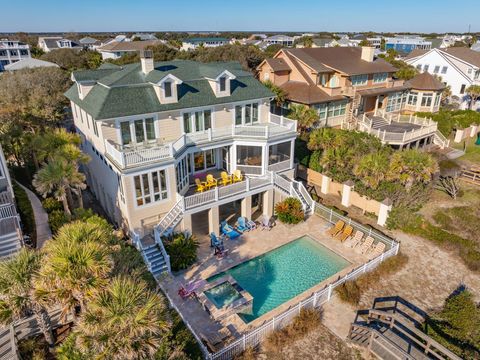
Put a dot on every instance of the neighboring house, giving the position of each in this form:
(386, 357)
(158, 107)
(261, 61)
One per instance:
(29, 64)
(143, 37)
(115, 49)
(376, 42)
(406, 45)
(152, 128)
(458, 67)
(321, 42)
(343, 42)
(283, 40)
(476, 46)
(50, 43)
(193, 43)
(89, 43)
(12, 51)
(11, 238)
(344, 83)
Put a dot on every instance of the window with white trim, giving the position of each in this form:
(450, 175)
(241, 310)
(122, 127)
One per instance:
(167, 87)
(204, 160)
(437, 100)
(197, 121)
(419, 66)
(358, 80)
(223, 83)
(425, 67)
(246, 114)
(444, 69)
(396, 101)
(137, 131)
(120, 188)
(336, 109)
(380, 78)
(182, 172)
(436, 69)
(321, 110)
(427, 99)
(412, 99)
(150, 187)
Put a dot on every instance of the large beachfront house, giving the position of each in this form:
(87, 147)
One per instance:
(12, 51)
(458, 67)
(151, 129)
(352, 88)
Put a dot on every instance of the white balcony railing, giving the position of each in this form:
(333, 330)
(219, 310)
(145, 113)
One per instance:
(141, 154)
(280, 166)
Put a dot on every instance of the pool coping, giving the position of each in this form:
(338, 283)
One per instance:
(293, 301)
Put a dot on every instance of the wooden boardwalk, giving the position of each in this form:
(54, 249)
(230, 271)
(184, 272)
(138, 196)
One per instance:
(471, 175)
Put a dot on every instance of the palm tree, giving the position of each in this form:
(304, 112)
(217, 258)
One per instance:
(16, 296)
(372, 169)
(474, 92)
(280, 94)
(59, 177)
(322, 138)
(411, 166)
(77, 264)
(49, 144)
(305, 116)
(124, 321)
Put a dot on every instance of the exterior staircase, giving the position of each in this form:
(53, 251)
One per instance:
(350, 122)
(440, 140)
(378, 122)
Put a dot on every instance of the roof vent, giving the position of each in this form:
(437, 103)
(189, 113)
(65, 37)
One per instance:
(146, 59)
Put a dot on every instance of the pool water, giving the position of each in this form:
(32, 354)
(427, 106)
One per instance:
(223, 294)
(281, 274)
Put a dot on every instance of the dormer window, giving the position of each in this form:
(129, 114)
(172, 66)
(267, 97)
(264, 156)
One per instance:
(168, 89)
(223, 83)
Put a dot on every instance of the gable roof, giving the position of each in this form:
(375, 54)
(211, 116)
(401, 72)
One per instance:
(126, 90)
(416, 53)
(300, 92)
(128, 45)
(465, 54)
(278, 64)
(425, 81)
(52, 43)
(29, 63)
(343, 59)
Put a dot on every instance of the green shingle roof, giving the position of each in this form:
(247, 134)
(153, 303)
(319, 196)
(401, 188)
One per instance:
(125, 91)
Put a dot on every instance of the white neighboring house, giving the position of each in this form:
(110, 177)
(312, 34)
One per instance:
(283, 40)
(11, 238)
(12, 51)
(192, 44)
(29, 64)
(458, 67)
(50, 43)
(476, 46)
(116, 49)
(143, 37)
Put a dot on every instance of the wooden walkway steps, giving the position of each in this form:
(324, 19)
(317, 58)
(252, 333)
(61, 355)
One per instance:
(471, 175)
(391, 330)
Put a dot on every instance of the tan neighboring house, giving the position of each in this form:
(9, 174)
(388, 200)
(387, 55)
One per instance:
(117, 49)
(353, 89)
(152, 128)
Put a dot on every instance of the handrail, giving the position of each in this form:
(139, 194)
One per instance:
(166, 257)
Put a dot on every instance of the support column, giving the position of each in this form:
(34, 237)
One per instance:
(246, 207)
(325, 184)
(214, 220)
(376, 105)
(458, 135)
(385, 208)
(268, 203)
(187, 223)
(347, 190)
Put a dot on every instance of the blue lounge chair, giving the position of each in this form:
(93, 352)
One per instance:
(228, 231)
(216, 242)
(242, 224)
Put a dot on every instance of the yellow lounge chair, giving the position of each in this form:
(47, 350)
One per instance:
(347, 231)
(367, 244)
(211, 181)
(201, 185)
(333, 231)
(237, 176)
(226, 179)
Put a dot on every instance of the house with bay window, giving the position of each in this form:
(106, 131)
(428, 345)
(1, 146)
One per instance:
(153, 128)
(353, 89)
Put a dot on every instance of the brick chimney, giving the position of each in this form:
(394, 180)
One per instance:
(368, 53)
(146, 59)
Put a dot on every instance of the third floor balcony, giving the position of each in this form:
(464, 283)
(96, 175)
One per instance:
(140, 154)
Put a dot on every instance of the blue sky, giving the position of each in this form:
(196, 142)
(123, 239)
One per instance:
(246, 15)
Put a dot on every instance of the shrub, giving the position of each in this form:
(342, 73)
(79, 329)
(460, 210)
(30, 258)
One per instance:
(314, 162)
(351, 291)
(50, 204)
(301, 152)
(307, 321)
(182, 249)
(26, 211)
(58, 218)
(289, 211)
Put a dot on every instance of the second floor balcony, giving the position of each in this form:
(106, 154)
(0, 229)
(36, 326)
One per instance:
(140, 154)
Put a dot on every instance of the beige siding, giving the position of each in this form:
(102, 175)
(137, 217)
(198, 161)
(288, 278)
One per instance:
(169, 126)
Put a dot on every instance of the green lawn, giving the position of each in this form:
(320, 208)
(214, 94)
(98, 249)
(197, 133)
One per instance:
(472, 151)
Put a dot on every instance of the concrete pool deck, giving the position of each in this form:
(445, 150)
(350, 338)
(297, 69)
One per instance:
(250, 245)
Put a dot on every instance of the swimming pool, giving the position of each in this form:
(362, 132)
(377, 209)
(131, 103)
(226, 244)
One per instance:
(223, 294)
(281, 274)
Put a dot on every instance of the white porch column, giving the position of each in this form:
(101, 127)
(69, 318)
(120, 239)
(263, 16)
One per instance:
(213, 220)
(385, 208)
(292, 152)
(376, 105)
(246, 207)
(268, 203)
(419, 101)
(325, 184)
(434, 96)
(347, 190)
(187, 223)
